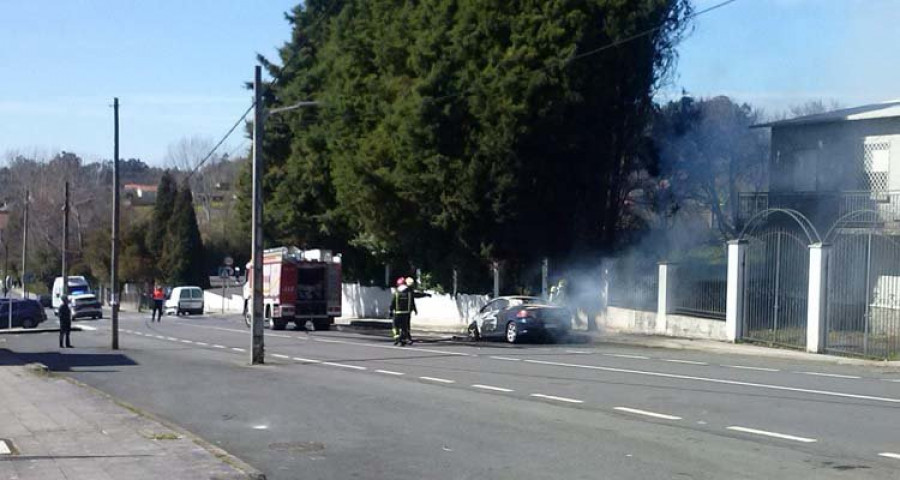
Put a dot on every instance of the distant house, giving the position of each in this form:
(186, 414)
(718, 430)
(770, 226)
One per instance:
(138, 195)
(835, 163)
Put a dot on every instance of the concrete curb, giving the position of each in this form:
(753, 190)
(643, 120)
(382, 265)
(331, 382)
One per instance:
(251, 472)
(25, 331)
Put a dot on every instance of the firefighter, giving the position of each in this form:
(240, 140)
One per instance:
(561, 297)
(65, 323)
(402, 308)
(159, 297)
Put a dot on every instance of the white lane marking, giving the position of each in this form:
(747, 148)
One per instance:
(278, 335)
(508, 359)
(138, 333)
(371, 345)
(895, 456)
(832, 375)
(344, 365)
(558, 399)
(202, 344)
(173, 339)
(160, 337)
(758, 369)
(646, 413)
(687, 362)
(390, 372)
(306, 360)
(87, 328)
(438, 380)
(492, 388)
(218, 346)
(720, 381)
(623, 355)
(773, 434)
(187, 341)
(4, 448)
(579, 352)
(236, 349)
(891, 380)
(260, 427)
(278, 355)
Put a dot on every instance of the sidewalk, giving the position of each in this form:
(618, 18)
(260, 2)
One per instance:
(56, 428)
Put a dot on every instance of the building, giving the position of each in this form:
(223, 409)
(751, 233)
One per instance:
(833, 164)
(139, 195)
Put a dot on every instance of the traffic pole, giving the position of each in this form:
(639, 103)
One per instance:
(257, 347)
(114, 257)
(65, 244)
(25, 246)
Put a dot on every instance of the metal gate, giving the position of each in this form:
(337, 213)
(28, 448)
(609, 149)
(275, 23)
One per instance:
(777, 285)
(864, 293)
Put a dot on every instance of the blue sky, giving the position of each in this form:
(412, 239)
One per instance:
(178, 67)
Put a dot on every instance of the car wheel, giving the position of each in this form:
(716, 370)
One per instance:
(29, 323)
(278, 324)
(473, 332)
(322, 326)
(512, 332)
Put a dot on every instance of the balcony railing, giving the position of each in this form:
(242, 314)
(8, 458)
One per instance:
(824, 208)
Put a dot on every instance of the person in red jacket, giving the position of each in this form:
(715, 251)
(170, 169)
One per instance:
(159, 296)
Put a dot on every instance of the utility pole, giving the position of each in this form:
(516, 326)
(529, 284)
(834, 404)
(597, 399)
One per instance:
(114, 257)
(257, 348)
(65, 245)
(25, 246)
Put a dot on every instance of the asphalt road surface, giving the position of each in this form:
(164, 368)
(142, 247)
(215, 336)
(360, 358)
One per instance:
(343, 405)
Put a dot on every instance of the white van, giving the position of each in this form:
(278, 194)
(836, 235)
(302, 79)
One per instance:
(83, 303)
(184, 300)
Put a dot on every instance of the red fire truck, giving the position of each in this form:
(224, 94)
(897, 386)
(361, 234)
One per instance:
(299, 286)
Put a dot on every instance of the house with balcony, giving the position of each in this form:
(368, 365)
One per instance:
(829, 165)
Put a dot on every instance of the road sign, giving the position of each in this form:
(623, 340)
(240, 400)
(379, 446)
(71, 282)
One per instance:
(226, 272)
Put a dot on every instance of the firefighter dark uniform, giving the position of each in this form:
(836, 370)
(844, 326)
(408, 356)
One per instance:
(402, 308)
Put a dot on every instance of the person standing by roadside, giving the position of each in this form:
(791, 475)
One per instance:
(402, 307)
(65, 323)
(159, 296)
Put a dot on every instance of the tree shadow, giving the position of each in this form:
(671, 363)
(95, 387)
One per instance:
(59, 362)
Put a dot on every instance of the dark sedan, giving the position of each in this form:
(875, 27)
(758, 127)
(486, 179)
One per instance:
(26, 313)
(514, 318)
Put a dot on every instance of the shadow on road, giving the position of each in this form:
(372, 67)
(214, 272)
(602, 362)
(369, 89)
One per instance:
(59, 362)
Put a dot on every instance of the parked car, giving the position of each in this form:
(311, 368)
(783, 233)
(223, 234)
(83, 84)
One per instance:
(46, 301)
(26, 313)
(184, 300)
(85, 305)
(514, 318)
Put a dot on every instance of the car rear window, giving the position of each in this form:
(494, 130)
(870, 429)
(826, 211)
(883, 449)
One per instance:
(197, 293)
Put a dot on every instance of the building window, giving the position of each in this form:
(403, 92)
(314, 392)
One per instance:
(805, 170)
(876, 164)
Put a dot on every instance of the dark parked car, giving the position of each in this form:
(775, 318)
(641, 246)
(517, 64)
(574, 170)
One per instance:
(25, 313)
(46, 301)
(514, 318)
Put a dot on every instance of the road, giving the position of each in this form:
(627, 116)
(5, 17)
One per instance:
(342, 404)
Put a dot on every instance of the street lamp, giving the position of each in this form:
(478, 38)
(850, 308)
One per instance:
(257, 350)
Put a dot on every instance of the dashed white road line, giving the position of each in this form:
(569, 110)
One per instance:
(508, 359)
(344, 365)
(773, 434)
(172, 339)
(278, 355)
(554, 397)
(390, 372)
(236, 349)
(438, 380)
(306, 360)
(623, 355)
(219, 346)
(579, 352)
(186, 341)
(831, 375)
(758, 369)
(891, 380)
(372, 345)
(895, 456)
(687, 362)
(202, 344)
(87, 328)
(646, 413)
(720, 381)
(492, 388)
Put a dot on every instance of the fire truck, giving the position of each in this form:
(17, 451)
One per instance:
(299, 286)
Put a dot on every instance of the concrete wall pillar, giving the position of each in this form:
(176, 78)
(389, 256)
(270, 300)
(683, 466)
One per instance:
(664, 297)
(816, 318)
(734, 300)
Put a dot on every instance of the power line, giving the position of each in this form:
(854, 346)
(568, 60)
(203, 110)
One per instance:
(603, 48)
(274, 82)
